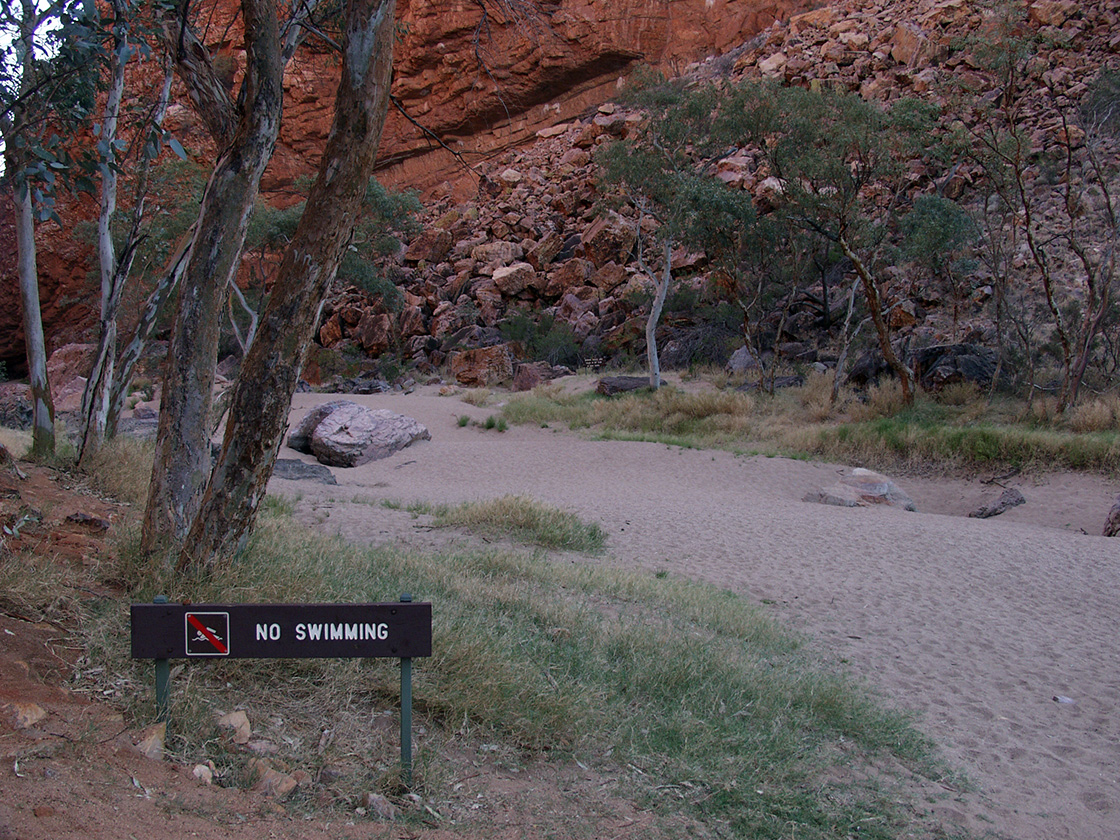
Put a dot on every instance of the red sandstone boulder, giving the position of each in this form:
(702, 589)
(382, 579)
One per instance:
(482, 366)
(430, 246)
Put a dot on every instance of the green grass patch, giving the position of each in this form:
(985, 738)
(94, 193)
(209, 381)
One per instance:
(526, 521)
(694, 697)
(949, 433)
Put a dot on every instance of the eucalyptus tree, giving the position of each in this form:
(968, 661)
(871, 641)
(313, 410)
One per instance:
(217, 507)
(1061, 202)
(46, 87)
(270, 371)
(107, 380)
(841, 163)
(244, 129)
(663, 172)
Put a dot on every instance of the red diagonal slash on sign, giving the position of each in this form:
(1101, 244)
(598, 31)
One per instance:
(210, 637)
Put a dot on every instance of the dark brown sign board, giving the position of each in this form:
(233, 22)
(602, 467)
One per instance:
(281, 631)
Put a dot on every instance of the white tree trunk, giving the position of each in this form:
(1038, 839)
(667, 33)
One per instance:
(658, 304)
(13, 122)
(95, 398)
(42, 418)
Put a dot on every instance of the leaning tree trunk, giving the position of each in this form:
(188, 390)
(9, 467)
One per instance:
(875, 305)
(270, 372)
(182, 460)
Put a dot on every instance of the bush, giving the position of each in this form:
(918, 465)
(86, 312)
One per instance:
(1096, 415)
(546, 339)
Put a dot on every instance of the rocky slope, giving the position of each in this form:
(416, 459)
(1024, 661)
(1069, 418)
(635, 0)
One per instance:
(471, 79)
(530, 238)
(535, 240)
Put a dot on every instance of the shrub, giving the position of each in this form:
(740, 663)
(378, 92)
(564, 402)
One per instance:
(1096, 415)
(883, 400)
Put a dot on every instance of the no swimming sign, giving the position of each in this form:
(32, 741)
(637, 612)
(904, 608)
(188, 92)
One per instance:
(281, 631)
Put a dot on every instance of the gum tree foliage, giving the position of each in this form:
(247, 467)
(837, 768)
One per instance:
(1059, 202)
(841, 163)
(662, 173)
(48, 70)
(937, 231)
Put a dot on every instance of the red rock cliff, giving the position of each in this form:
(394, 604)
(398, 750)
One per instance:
(472, 79)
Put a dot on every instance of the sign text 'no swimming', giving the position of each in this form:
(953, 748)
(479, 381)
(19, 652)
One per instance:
(281, 631)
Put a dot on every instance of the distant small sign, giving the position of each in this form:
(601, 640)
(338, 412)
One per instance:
(298, 631)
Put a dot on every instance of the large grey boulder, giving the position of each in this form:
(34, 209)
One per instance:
(300, 439)
(742, 361)
(944, 364)
(345, 434)
(861, 488)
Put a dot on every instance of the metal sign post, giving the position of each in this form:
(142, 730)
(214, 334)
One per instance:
(164, 631)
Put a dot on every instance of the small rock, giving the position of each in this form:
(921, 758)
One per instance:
(1008, 499)
(293, 470)
(203, 774)
(238, 724)
(271, 782)
(95, 523)
(24, 715)
(152, 741)
(609, 386)
(1112, 521)
(379, 806)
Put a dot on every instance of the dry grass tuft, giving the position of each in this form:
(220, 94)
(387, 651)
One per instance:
(122, 469)
(816, 395)
(959, 394)
(883, 400)
(1098, 415)
(35, 586)
(478, 397)
(526, 521)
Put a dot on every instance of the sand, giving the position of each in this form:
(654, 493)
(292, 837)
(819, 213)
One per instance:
(1002, 635)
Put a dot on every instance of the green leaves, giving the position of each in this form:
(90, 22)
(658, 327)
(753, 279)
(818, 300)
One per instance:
(936, 230)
